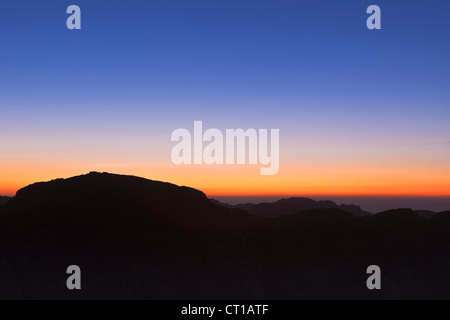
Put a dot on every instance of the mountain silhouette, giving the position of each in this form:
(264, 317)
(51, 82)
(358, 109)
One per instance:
(294, 205)
(135, 238)
(427, 214)
(3, 200)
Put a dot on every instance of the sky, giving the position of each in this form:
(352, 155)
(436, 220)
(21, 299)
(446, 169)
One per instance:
(360, 112)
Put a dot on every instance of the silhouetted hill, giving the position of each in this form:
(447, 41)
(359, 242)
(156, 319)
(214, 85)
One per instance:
(294, 205)
(143, 239)
(3, 200)
(120, 199)
(127, 233)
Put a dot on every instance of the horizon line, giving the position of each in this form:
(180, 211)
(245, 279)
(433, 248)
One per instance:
(222, 192)
(300, 195)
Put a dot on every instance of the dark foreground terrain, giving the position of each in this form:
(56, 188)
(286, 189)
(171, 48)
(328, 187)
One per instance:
(136, 238)
(4, 200)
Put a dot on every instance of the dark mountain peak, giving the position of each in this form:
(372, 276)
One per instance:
(121, 203)
(300, 200)
(108, 189)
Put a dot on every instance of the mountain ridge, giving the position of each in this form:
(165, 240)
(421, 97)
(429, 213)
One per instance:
(294, 205)
(144, 239)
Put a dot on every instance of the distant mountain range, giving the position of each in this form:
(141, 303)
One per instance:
(140, 239)
(293, 205)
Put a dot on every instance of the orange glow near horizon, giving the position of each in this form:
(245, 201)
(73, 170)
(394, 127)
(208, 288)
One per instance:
(313, 161)
(246, 181)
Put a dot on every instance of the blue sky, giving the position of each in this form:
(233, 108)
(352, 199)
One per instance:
(206, 53)
(140, 69)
